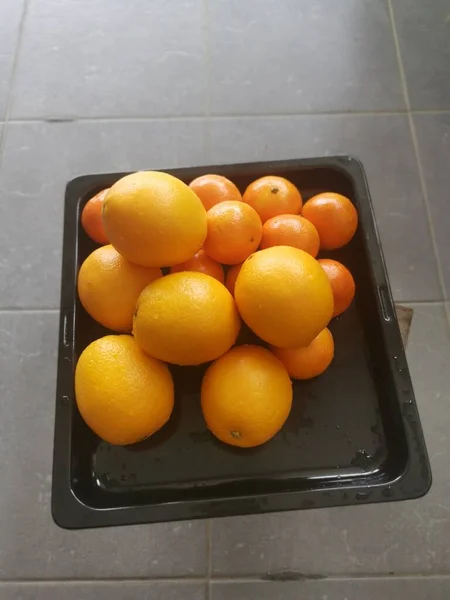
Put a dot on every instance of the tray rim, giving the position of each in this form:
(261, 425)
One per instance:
(67, 509)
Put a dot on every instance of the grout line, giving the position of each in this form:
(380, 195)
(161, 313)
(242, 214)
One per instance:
(12, 78)
(207, 40)
(419, 302)
(291, 577)
(208, 529)
(20, 309)
(185, 579)
(418, 160)
(207, 116)
(13, 309)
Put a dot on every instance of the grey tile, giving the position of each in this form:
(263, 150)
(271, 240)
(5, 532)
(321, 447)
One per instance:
(302, 55)
(433, 135)
(33, 547)
(400, 537)
(38, 160)
(130, 59)
(155, 590)
(432, 588)
(384, 145)
(10, 17)
(423, 31)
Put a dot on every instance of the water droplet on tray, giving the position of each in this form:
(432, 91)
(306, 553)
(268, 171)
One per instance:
(388, 492)
(362, 496)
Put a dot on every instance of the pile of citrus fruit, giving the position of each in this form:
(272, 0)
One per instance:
(177, 270)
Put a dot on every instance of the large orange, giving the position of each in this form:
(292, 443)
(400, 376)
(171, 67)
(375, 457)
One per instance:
(212, 189)
(201, 263)
(304, 363)
(109, 286)
(342, 284)
(334, 217)
(246, 396)
(123, 395)
(91, 218)
(273, 195)
(234, 232)
(291, 230)
(284, 296)
(153, 219)
(186, 318)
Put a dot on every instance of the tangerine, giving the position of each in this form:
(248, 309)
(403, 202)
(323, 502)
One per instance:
(291, 230)
(273, 195)
(212, 189)
(91, 218)
(311, 361)
(342, 284)
(334, 217)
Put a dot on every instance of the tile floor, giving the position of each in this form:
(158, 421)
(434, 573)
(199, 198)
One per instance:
(106, 85)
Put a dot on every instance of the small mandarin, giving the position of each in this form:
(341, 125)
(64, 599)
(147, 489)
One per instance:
(201, 263)
(234, 232)
(311, 361)
(212, 189)
(91, 218)
(273, 195)
(230, 280)
(342, 284)
(334, 217)
(291, 230)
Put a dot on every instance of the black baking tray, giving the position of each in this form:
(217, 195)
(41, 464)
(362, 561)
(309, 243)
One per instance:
(353, 435)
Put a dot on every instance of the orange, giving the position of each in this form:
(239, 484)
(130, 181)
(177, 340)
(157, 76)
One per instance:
(272, 195)
(304, 363)
(109, 286)
(284, 296)
(91, 218)
(201, 263)
(234, 232)
(230, 280)
(335, 219)
(291, 230)
(342, 284)
(186, 318)
(212, 189)
(123, 395)
(246, 396)
(153, 219)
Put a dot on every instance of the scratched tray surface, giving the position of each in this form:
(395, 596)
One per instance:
(353, 434)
